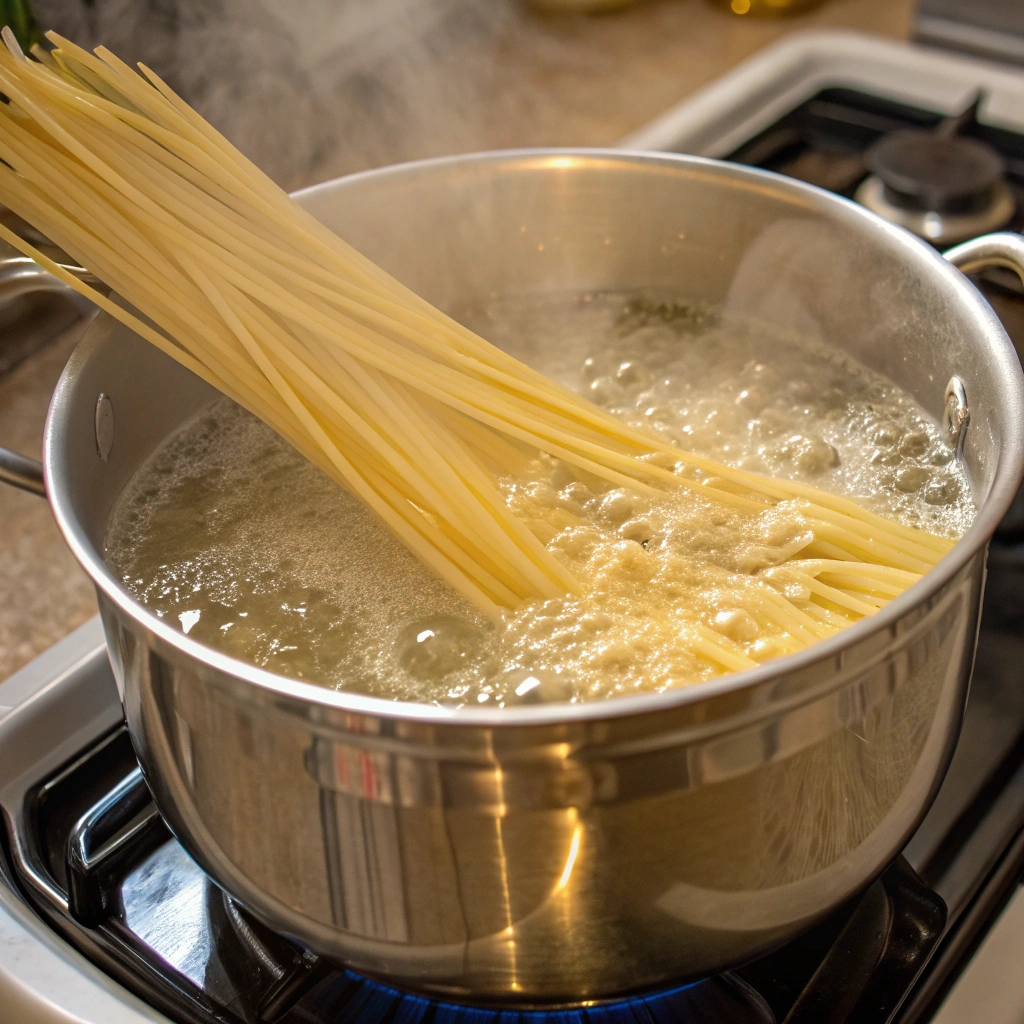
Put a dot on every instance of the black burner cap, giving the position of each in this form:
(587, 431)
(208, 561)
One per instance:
(934, 173)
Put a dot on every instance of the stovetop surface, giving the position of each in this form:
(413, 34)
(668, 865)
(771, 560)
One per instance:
(86, 850)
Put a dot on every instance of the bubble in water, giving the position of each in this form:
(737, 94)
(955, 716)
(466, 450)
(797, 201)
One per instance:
(942, 490)
(534, 686)
(438, 646)
(886, 435)
(737, 624)
(911, 478)
(810, 455)
(914, 444)
(617, 506)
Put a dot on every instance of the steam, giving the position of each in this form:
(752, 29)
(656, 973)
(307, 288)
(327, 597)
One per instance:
(312, 89)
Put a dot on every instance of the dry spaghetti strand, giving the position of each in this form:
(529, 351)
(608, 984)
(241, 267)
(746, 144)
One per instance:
(403, 406)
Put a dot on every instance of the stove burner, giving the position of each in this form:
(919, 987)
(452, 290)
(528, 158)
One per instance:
(943, 187)
(925, 171)
(349, 998)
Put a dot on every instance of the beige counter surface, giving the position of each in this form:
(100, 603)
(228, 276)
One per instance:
(471, 79)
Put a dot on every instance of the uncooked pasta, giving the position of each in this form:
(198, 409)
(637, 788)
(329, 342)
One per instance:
(413, 413)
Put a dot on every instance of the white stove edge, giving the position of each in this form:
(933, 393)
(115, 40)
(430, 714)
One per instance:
(990, 989)
(43, 980)
(732, 109)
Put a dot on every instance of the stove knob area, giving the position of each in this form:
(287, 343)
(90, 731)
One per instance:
(944, 188)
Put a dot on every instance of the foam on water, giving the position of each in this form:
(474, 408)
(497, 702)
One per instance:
(233, 537)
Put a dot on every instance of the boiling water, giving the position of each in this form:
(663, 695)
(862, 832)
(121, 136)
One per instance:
(233, 537)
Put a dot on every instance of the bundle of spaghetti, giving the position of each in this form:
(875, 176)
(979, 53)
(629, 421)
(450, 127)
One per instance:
(405, 407)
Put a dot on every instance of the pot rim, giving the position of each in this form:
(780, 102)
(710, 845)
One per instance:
(1006, 478)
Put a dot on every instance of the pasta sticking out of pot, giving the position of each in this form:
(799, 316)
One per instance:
(414, 414)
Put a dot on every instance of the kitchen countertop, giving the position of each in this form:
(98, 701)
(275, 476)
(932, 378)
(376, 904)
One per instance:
(477, 74)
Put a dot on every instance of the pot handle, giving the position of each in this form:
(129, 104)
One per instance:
(21, 276)
(1002, 249)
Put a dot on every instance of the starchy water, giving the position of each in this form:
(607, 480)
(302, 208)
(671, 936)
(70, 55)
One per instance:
(234, 538)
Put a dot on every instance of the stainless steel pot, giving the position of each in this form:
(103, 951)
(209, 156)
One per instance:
(558, 853)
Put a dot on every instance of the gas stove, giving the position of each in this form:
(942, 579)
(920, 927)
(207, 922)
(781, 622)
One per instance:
(103, 917)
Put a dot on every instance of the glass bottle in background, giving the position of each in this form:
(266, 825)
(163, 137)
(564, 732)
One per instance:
(768, 8)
